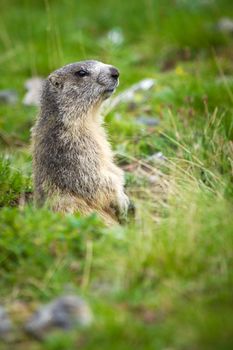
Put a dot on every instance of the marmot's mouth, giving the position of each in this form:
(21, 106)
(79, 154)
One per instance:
(110, 90)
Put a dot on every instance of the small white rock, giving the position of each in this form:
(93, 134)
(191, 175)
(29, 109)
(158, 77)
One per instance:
(34, 88)
(115, 35)
(157, 158)
(225, 25)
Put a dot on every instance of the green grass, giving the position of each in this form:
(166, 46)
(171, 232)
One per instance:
(164, 280)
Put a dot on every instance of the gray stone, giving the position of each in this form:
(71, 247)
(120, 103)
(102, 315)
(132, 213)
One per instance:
(157, 158)
(5, 324)
(8, 96)
(225, 25)
(63, 313)
(149, 121)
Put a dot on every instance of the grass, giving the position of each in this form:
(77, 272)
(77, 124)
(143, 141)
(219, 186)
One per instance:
(164, 280)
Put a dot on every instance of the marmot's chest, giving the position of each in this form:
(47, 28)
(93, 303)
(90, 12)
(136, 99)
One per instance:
(89, 143)
(100, 138)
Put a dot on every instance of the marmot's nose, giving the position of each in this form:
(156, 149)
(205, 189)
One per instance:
(114, 73)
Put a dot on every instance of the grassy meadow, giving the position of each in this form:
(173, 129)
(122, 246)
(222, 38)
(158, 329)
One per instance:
(164, 280)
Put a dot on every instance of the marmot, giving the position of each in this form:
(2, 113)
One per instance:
(73, 164)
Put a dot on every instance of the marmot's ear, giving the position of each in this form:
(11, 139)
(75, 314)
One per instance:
(56, 81)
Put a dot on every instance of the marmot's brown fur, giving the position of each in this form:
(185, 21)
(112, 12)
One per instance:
(73, 162)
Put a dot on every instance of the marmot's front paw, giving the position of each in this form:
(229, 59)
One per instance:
(124, 218)
(123, 207)
(124, 202)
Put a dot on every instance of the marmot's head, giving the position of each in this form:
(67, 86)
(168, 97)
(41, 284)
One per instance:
(77, 88)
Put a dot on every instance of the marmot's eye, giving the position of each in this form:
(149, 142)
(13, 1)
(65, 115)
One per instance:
(81, 73)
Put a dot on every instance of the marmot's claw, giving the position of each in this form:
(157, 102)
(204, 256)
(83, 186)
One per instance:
(114, 207)
(122, 219)
(125, 211)
(124, 203)
(125, 218)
